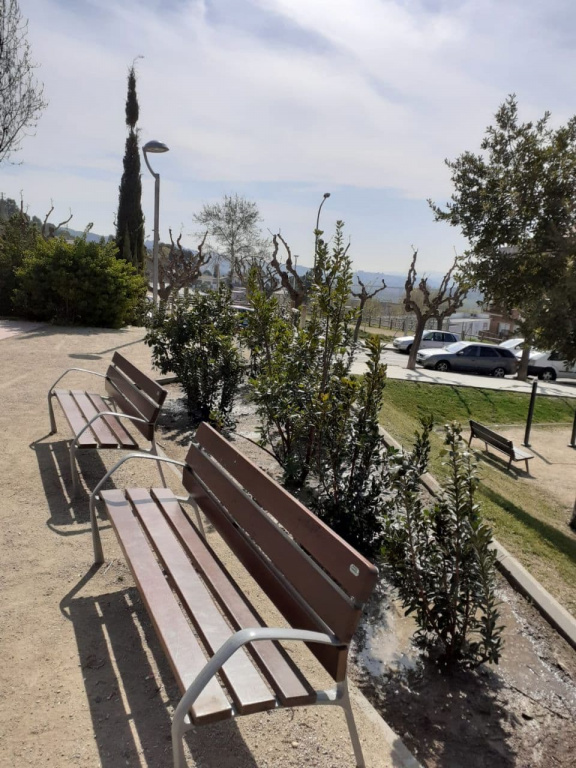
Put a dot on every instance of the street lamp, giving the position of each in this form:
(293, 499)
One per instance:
(324, 198)
(156, 147)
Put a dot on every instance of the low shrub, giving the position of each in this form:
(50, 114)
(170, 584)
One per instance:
(196, 342)
(77, 283)
(440, 556)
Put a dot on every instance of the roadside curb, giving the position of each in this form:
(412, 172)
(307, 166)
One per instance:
(554, 613)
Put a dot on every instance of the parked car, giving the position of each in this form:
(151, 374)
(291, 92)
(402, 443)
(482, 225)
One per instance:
(549, 366)
(514, 344)
(429, 339)
(468, 357)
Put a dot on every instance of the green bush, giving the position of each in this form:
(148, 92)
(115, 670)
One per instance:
(196, 341)
(17, 235)
(77, 283)
(440, 557)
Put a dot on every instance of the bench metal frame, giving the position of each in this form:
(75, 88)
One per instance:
(153, 450)
(339, 695)
(499, 442)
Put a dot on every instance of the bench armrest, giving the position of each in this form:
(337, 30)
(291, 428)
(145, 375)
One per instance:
(98, 554)
(81, 370)
(212, 667)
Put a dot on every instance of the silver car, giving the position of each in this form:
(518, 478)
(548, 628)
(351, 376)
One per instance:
(470, 357)
(429, 339)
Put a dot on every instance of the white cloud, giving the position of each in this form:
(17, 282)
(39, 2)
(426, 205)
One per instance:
(312, 94)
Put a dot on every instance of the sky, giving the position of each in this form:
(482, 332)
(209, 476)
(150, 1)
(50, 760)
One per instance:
(281, 101)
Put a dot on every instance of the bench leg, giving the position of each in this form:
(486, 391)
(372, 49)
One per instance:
(96, 540)
(354, 738)
(154, 451)
(53, 428)
(73, 468)
(527, 470)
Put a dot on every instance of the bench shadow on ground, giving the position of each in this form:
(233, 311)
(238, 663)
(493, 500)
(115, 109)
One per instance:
(53, 457)
(122, 664)
(500, 463)
(560, 541)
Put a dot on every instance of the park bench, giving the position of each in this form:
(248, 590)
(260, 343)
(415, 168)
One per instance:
(311, 576)
(96, 420)
(499, 442)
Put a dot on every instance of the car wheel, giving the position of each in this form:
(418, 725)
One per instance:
(408, 349)
(499, 372)
(442, 365)
(548, 374)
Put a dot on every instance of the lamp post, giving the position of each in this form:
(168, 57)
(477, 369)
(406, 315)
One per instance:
(324, 198)
(156, 147)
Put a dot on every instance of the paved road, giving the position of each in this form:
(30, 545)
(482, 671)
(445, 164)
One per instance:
(396, 362)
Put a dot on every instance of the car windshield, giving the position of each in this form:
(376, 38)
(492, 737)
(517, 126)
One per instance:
(456, 347)
(511, 343)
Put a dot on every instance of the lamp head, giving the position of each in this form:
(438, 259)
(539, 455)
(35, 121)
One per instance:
(156, 147)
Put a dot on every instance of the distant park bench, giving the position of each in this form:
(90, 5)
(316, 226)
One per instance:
(204, 619)
(499, 442)
(96, 420)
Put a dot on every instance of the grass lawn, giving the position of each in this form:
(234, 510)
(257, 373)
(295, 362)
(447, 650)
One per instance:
(529, 523)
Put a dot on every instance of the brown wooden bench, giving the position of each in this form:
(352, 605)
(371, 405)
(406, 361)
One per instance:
(313, 578)
(500, 443)
(96, 420)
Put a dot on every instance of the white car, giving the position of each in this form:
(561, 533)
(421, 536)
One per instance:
(514, 344)
(549, 366)
(429, 339)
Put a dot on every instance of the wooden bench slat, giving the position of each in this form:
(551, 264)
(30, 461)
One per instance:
(334, 659)
(289, 684)
(105, 437)
(125, 439)
(248, 690)
(314, 586)
(127, 407)
(75, 418)
(346, 566)
(147, 384)
(144, 405)
(176, 636)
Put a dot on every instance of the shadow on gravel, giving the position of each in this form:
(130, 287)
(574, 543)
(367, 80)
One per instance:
(122, 665)
(53, 459)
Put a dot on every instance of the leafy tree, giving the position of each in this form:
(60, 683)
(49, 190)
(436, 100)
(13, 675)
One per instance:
(232, 226)
(21, 96)
(82, 283)
(515, 205)
(130, 219)
(196, 341)
(440, 558)
(439, 304)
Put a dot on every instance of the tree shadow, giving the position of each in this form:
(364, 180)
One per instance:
(130, 688)
(450, 720)
(560, 541)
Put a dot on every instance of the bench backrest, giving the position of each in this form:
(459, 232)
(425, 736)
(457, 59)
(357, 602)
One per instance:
(314, 578)
(488, 435)
(135, 393)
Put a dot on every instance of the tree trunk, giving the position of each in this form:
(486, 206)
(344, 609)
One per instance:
(523, 369)
(411, 365)
(573, 520)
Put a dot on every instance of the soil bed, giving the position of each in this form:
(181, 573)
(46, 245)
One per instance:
(520, 713)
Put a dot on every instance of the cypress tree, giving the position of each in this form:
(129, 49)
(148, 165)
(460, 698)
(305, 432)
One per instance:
(130, 219)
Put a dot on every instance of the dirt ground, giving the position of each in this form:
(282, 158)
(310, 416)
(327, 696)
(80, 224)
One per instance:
(84, 681)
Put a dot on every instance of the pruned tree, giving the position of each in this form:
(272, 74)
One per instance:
(21, 95)
(179, 267)
(444, 302)
(130, 219)
(232, 227)
(363, 295)
(51, 230)
(293, 284)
